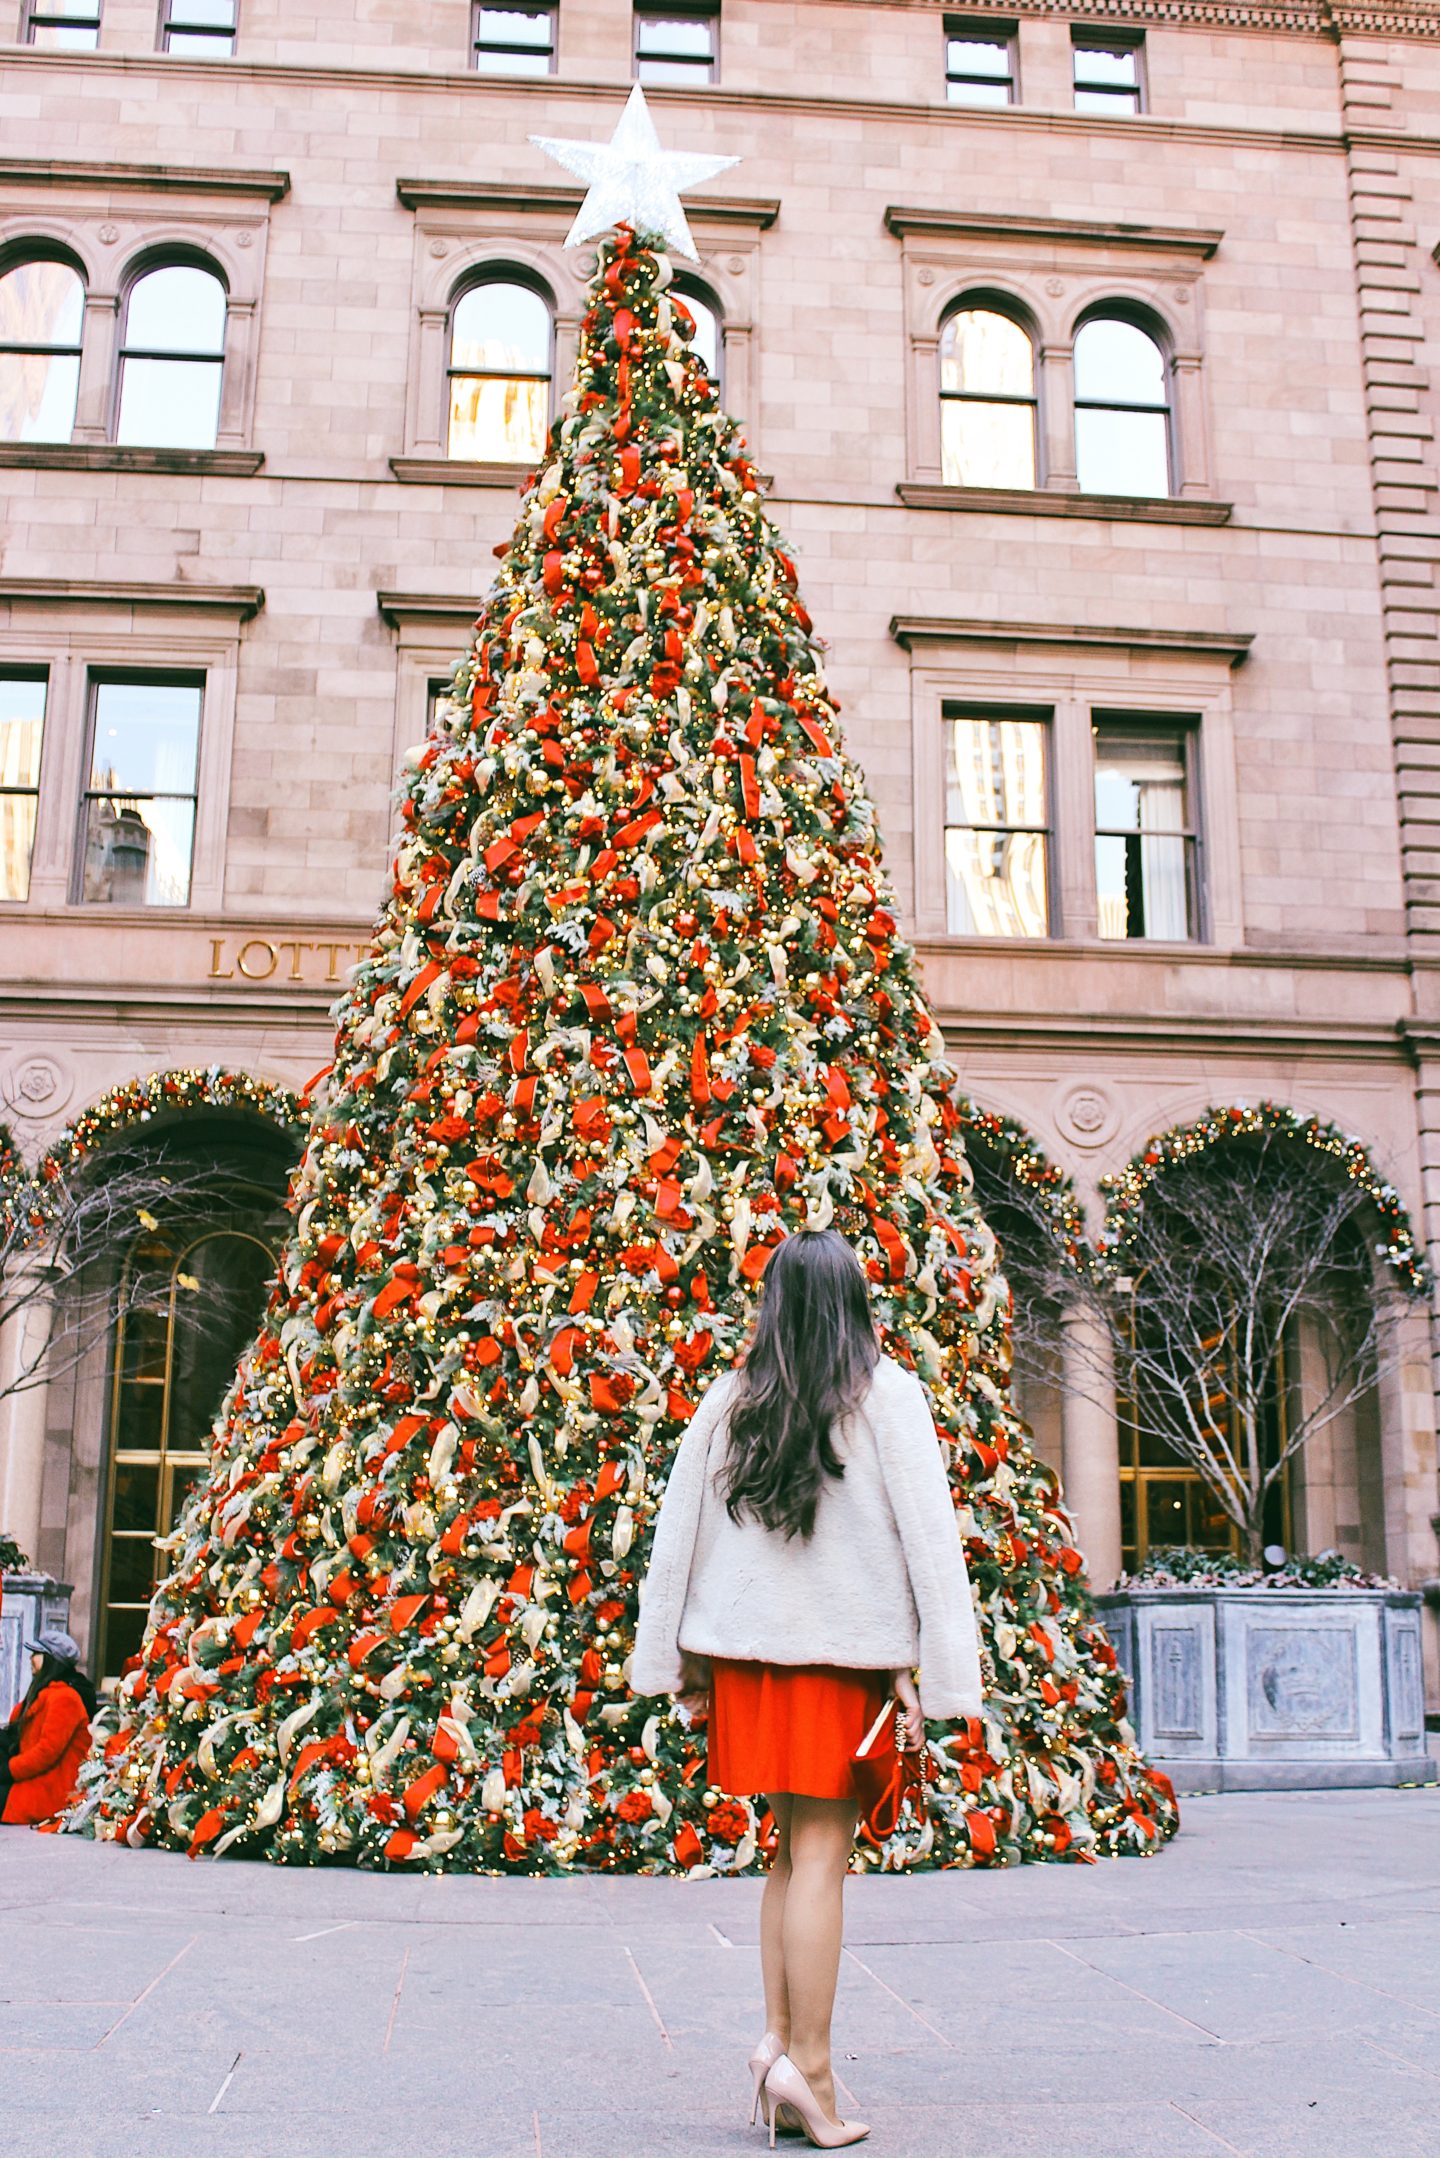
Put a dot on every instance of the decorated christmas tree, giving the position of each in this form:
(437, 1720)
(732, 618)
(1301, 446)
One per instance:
(636, 1007)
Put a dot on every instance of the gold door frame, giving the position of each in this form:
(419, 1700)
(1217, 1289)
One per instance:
(167, 1461)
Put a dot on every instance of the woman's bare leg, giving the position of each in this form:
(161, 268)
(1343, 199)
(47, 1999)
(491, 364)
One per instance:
(822, 1832)
(772, 1918)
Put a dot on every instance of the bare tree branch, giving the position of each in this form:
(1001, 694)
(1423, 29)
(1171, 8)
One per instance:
(92, 1246)
(1234, 1264)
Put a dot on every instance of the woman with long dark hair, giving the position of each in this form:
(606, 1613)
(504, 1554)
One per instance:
(48, 1735)
(806, 1560)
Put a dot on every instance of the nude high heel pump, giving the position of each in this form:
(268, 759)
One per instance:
(784, 2085)
(762, 2060)
(760, 2063)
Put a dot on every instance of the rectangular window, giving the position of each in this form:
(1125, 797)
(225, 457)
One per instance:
(513, 40)
(22, 727)
(1146, 868)
(997, 824)
(1109, 74)
(678, 43)
(202, 29)
(979, 63)
(138, 812)
(62, 25)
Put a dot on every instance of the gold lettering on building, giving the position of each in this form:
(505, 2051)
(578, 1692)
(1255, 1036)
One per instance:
(320, 961)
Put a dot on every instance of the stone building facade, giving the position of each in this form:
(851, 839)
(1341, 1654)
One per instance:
(1087, 350)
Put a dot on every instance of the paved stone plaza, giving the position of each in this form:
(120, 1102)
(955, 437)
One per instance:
(1271, 1986)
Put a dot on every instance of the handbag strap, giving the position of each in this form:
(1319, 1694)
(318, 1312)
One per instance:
(863, 1749)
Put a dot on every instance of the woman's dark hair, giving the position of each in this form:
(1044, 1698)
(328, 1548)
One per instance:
(810, 1362)
(69, 1674)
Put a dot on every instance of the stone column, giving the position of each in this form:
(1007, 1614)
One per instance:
(95, 396)
(1092, 1443)
(1057, 419)
(28, 1313)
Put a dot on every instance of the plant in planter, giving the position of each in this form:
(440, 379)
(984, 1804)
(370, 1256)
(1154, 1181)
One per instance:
(12, 1558)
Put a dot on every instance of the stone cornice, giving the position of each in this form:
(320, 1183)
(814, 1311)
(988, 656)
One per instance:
(237, 602)
(914, 631)
(458, 472)
(1053, 502)
(1306, 18)
(149, 179)
(447, 610)
(124, 457)
(510, 197)
(981, 225)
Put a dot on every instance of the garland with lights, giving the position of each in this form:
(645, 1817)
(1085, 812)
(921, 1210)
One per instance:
(636, 1006)
(29, 1195)
(1125, 1189)
(1055, 1196)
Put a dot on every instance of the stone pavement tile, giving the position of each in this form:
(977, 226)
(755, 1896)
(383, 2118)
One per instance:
(974, 1990)
(1397, 1958)
(1412, 2040)
(44, 1960)
(1233, 1985)
(469, 1970)
(57, 2027)
(302, 2134)
(68, 2091)
(973, 2130)
(1295, 2128)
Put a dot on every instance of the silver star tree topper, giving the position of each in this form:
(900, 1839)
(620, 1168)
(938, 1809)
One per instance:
(631, 180)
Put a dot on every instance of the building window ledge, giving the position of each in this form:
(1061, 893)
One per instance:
(123, 457)
(235, 602)
(505, 197)
(916, 631)
(165, 179)
(458, 472)
(1051, 502)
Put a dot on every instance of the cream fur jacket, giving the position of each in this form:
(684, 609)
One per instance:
(879, 1585)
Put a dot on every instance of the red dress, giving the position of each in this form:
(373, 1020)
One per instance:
(45, 1766)
(789, 1727)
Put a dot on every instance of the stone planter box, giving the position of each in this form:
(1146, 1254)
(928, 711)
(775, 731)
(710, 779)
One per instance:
(31, 1602)
(1256, 1689)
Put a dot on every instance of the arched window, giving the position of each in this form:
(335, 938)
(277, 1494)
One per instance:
(1122, 413)
(987, 401)
(499, 372)
(42, 307)
(708, 341)
(172, 355)
(188, 1305)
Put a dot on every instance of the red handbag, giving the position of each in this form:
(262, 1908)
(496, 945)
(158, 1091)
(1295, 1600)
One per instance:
(885, 1776)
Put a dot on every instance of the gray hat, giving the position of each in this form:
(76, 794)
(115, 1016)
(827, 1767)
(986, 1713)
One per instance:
(63, 1646)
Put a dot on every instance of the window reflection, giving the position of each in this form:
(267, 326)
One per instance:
(42, 308)
(674, 45)
(201, 29)
(63, 25)
(22, 727)
(172, 359)
(188, 1310)
(514, 40)
(980, 70)
(1107, 77)
(987, 401)
(499, 373)
(1144, 846)
(996, 826)
(1122, 413)
(139, 807)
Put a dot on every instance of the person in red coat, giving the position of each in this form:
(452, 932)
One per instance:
(48, 1734)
